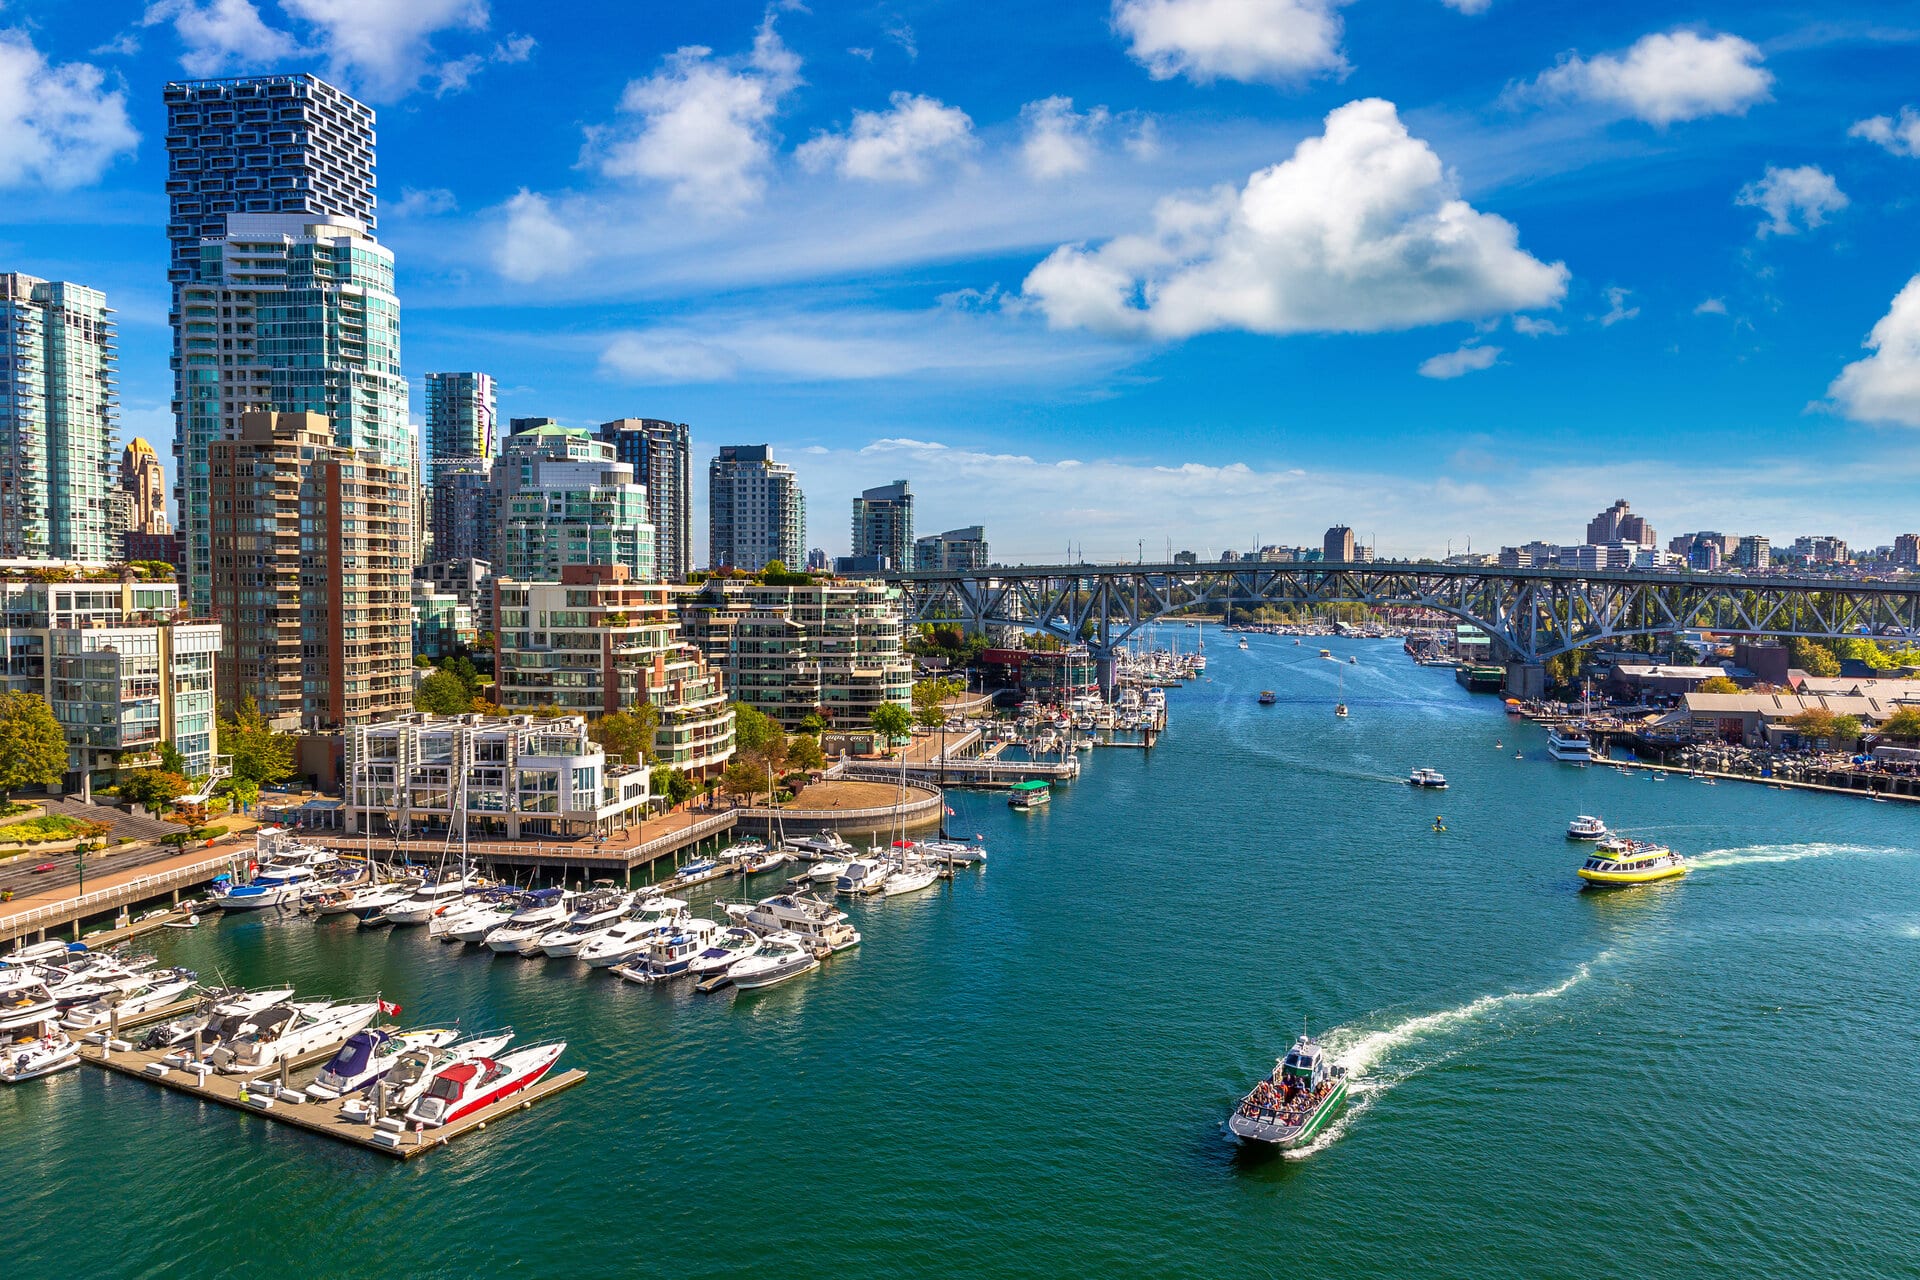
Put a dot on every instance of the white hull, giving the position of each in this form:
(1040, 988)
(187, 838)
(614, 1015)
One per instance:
(909, 880)
(38, 1059)
(330, 1027)
(88, 1017)
(756, 978)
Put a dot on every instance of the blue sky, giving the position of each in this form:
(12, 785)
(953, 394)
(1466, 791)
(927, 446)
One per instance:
(1139, 272)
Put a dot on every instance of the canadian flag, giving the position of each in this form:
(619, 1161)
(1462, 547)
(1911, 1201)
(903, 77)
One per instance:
(391, 1010)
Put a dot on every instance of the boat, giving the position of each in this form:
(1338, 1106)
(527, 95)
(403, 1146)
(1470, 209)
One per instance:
(1353, 660)
(286, 1031)
(699, 871)
(1340, 710)
(216, 1010)
(952, 851)
(410, 1074)
(430, 900)
(1571, 745)
(1294, 1102)
(270, 887)
(25, 1000)
(51, 952)
(29, 1052)
(158, 991)
(825, 846)
(629, 937)
(523, 930)
(368, 1055)
(1432, 779)
(372, 899)
(765, 860)
(473, 921)
(864, 876)
(910, 876)
(728, 946)
(593, 915)
(826, 871)
(779, 956)
(1327, 653)
(479, 926)
(1028, 796)
(468, 1085)
(1243, 642)
(97, 978)
(1620, 863)
(669, 952)
(1268, 697)
(814, 920)
(1586, 827)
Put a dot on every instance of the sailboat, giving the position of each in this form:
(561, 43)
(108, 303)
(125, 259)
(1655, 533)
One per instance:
(1340, 707)
(949, 848)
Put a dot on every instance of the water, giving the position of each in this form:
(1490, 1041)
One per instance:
(1025, 1074)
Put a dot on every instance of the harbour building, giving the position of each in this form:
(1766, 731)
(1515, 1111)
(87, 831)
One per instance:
(834, 648)
(57, 410)
(562, 498)
(122, 667)
(755, 510)
(959, 550)
(661, 455)
(883, 526)
(311, 574)
(599, 641)
(462, 440)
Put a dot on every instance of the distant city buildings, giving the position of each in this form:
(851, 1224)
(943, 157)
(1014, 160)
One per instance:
(562, 498)
(1820, 549)
(816, 561)
(1753, 553)
(1906, 549)
(1338, 544)
(469, 581)
(145, 485)
(661, 455)
(462, 440)
(955, 551)
(466, 510)
(756, 512)
(1618, 524)
(57, 411)
(883, 525)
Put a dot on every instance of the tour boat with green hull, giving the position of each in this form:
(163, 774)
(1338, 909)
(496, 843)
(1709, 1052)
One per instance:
(1294, 1102)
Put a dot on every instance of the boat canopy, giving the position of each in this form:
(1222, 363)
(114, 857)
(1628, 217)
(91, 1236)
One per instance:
(357, 1052)
(1028, 788)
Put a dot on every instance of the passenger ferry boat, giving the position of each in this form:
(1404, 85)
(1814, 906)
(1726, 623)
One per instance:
(1569, 744)
(1619, 863)
(1030, 795)
(1586, 827)
(1268, 697)
(1294, 1102)
(1432, 779)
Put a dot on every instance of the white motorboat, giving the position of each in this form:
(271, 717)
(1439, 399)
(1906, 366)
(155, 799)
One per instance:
(270, 887)
(158, 991)
(469, 1085)
(25, 1000)
(669, 953)
(952, 851)
(39, 1050)
(1586, 827)
(473, 921)
(826, 846)
(371, 900)
(217, 1009)
(727, 947)
(96, 979)
(699, 871)
(369, 1054)
(864, 876)
(289, 1030)
(765, 860)
(827, 871)
(631, 936)
(910, 877)
(521, 934)
(596, 915)
(1569, 744)
(414, 1069)
(800, 913)
(779, 956)
(1431, 779)
(430, 900)
(39, 953)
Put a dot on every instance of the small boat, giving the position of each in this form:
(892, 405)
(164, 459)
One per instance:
(469, 1085)
(779, 956)
(699, 871)
(1352, 660)
(826, 871)
(910, 877)
(1586, 827)
(1294, 1102)
(473, 921)
(368, 1055)
(289, 1030)
(670, 952)
(39, 1050)
(1340, 710)
(160, 989)
(413, 1071)
(825, 846)
(1570, 745)
(765, 860)
(1432, 779)
(1028, 796)
(429, 900)
(727, 948)
(1620, 863)
(951, 851)
(25, 1000)
(864, 876)
(1327, 654)
(271, 887)
(40, 953)
(1243, 642)
(218, 1012)
(1268, 697)
(1439, 824)
(373, 899)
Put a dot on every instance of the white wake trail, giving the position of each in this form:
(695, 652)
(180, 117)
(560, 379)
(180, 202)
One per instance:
(1748, 855)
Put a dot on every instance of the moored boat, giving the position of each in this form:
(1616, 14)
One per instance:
(1569, 744)
(467, 1086)
(289, 1030)
(369, 1054)
(1295, 1101)
(779, 956)
(27, 1053)
(1268, 697)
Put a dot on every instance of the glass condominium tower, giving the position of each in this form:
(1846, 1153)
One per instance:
(462, 431)
(56, 421)
(283, 299)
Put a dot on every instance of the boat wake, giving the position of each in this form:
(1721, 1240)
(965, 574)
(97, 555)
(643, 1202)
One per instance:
(1749, 855)
(1377, 1059)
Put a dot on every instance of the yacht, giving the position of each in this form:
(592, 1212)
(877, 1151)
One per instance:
(473, 1083)
(159, 990)
(523, 930)
(910, 877)
(1620, 863)
(864, 876)
(1586, 827)
(372, 899)
(1295, 1101)
(778, 957)
(728, 946)
(631, 936)
(430, 900)
(40, 1049)
(25, 1000)
(273, 886)
(597, 914)
(477, 924)
(815, 920)
(670, 953)
(368, 1055)
(37, 953)
(1569, 744)
(403, 1083)
(826, 846)
(289, 1030)
(99, 978)
(827, 870)
(1429, 778)
(216, 1010)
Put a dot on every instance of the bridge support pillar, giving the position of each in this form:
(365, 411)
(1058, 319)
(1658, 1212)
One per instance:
(1526, 681)
(1103, 666)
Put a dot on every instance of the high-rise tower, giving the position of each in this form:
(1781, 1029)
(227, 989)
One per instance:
(883, 525)
(755, 510)
(661, 455)
(56, 421)
(462, 440)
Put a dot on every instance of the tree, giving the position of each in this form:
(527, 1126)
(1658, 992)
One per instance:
(550, 712)
(813, 722)
(461, 668)
(260, 755)
(753, 730)
(442, 694)
(154, 788)
(244, 794)
(672, 784)
(1814, 659)
(803, 752)
(1717, 684)
(171, 760)
(1817, 722)
(929, 701)
(891, 720)
(1903, 725)
(33, 748)
(743, 777)
(627, 735)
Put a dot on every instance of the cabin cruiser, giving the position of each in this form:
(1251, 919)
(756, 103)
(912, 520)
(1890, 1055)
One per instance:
(270, 887)
(472, 921)
(669, 952)
(403, 1083)
(631, 936)
(1619, 863)
(765, 860)
(285, 1031)
(368, 1055)
(39, 1049)
(157, 991)
(779, 956)
(25, 1000)
(910, 876)
(699, 871)
(1586, 827)
(430, 900)
(1432, 779)
(814, 920)
(1569, 744)
(523, 930)
(1295, 1101)
(96, 978)
(728, 946)
(826, 846)
(40, 953)
(214, 1009)
(594, 915)
(827, 870)
(473, 1083)
(864, 876)
(371, 899)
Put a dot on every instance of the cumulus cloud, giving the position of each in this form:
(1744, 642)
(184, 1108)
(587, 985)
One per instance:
(1536, 327)
(220, 35)
(1885, 386)
(1793, 199)
(704, 124)
(1664, 78)
(1617, 308)
(1059, 141)
(60, 126)
(381, 47)
(900, 144)
(1281, 41)
(533, 243)
(415, 203)
(1900, 135)
(1468, 6)
(1361, 230)
(1452, 364)
(1711, 307)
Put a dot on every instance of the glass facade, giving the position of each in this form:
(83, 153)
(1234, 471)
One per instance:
(57, 422)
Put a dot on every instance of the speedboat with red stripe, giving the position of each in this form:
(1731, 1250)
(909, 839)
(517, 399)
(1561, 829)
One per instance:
(466, 1087)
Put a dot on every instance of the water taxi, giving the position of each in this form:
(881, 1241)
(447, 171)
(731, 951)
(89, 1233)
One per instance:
(1569, 744)
(1294, 1102)
(1621, 863)
(1326, 653)
(1586, 827)
(1030, 795)
(1268, 697)
(1430, 778)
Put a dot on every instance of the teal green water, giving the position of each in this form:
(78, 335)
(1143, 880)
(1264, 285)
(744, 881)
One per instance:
(1026, 1074)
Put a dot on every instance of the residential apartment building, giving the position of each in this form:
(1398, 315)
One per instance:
(598, 641)
(661, 455)
(442, 625)
(1754, 552)
(883, 526)
(462, 417)
(505, 776)
(955, 551)
(311, 574)
(1337, 546)
(468, 581)
(1618, 524)
(1906, 549)
(145, 487)
(57, 410)
(562, 498)
(829, 647)
(465, 509)
(755, 510)
(121, 667)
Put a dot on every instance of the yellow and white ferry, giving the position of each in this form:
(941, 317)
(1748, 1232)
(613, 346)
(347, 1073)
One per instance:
(1618, 863)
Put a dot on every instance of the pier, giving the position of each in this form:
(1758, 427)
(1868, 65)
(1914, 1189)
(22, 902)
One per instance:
(38, 915)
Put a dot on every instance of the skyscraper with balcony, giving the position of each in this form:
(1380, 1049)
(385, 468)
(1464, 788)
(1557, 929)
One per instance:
(56, 421)
(562, 498)
(462, 419)
(963, 550)
(883, 525)
(661, 455)
(755, 510)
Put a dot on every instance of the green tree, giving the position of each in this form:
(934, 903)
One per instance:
(672, 784)
(1903, 725)
(171, 760)
(752, 729)
(803, 752)
(743, 778)
(891, 720)
(628, 735)
(442, 694)
(1814, 659)
(813, 722)
(154, 788)
(1818, 722)
(260, 755)
(243, 792)
(1717, 684)
(461, 668)
(929, 701)
(33, 749)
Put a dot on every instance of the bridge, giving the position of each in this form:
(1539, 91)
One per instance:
(1529, 614)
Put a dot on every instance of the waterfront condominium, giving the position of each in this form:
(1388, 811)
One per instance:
(1337, 546)
(755, 510)
(661, 455)
(311, 574)
(883, 525)
(56, 421)
(957, 550)
(461, 443)
(562, 498)
(282, 297)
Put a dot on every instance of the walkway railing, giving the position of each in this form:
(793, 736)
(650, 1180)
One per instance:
(114, 895)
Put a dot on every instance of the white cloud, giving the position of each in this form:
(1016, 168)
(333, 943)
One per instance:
(1885, 387)
(1617, 308)
(381, 47)
(1361, 230)
(1536, 327)
(1059, 141)
(705, 123)
(900, 144)
(1452, 364)
(902, 34)
(1899, 135)
(60, 126)
(1283, 41)
(221, 35)
(414, 203)
(1664, 78)
(533, 243)
(1711, 307)
(1807, 193)
(1468, 6)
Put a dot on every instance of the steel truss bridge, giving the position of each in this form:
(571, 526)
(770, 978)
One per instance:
(1530, 614)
